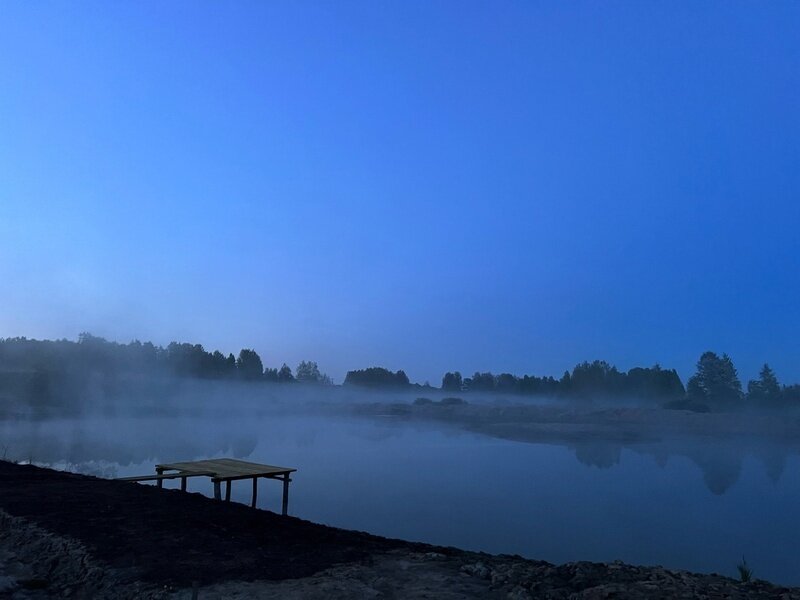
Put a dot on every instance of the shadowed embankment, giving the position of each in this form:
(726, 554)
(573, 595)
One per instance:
(87, 537)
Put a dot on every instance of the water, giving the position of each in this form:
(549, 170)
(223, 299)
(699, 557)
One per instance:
(688, 504)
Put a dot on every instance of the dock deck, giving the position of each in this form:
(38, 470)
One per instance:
(219, 470)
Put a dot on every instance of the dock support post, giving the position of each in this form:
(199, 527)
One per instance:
(183, 484)
(255, 492)
(285, 507)
(217, 491)
(160, 482)
(227, 491)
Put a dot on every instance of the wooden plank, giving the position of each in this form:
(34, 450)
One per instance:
(226, 464)
(279, 475)
(164, 476)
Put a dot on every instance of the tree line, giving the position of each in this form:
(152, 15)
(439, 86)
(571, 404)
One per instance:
(33, 368)
(95, 354)
(714, 386)
(587, 380)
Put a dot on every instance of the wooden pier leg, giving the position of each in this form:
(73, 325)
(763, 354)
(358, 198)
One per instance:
(255, 492)
(227, 491)
(217, 493)
(285, 507)
(160, 482)
(183, 484)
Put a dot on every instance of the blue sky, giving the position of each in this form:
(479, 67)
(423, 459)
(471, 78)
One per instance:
(427, 186)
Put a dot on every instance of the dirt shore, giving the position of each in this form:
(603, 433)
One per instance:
(67, 535)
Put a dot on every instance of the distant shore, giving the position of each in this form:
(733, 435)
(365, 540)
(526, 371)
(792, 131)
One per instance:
(576, 422)
(68, 535)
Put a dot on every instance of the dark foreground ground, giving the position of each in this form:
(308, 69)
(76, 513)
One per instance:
(67, 535)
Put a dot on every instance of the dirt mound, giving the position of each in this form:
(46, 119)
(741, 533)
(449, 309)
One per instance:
(66, 535)
(176, 538)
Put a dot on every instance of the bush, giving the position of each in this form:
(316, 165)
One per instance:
(452, 401)
(687, 404)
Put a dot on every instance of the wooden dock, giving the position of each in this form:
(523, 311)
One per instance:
(219, 470)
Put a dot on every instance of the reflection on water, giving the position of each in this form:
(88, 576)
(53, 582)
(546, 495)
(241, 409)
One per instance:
(686, 503)
(721, 464)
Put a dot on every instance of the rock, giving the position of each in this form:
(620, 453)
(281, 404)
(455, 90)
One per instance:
(7, 583)
(519, 593)
(479, 569)
(433, 556)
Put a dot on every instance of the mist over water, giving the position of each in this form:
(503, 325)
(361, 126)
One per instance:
(684, 501)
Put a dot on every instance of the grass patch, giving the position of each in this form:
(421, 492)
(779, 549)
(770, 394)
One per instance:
(745, 572)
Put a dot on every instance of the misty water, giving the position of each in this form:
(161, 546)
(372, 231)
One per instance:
(682, 504)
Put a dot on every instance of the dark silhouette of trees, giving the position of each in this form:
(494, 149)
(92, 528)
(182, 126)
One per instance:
(506, 383)
(765, 391)
(790, 394)
(452, 382)
(588, 380)
(188, 360)
(540, 386)
(565, 383)
(285, 374)
(479, 382)
(377, 377)
(220, 366)
(308, 372)
(596, 379)
(249, 365)
(654, 382)
(56, 373)
(62, 376)
(716, 383)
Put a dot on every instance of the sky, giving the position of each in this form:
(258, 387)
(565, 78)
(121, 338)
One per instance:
(432, 186)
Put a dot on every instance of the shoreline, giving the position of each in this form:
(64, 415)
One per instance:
(68, 535)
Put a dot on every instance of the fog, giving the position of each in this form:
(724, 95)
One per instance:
(545, 479)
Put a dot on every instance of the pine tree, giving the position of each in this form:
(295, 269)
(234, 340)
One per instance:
(716, 382)
(764, 391)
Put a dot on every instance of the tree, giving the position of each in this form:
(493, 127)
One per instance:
(285, 374)
(506, 382)
(188, 360)
(597, 378)
(452, 382)
(218, 364)
(249, 365)
(308, 371)
(565, 383)
(764, 391)
(480, 382)
(716, 382)
(654, 383)
(791, 395)
(376, 377)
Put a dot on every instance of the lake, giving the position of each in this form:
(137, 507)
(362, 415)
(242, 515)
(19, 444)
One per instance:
(689, 504)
